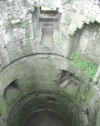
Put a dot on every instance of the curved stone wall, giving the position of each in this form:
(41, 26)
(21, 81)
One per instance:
(39, 83)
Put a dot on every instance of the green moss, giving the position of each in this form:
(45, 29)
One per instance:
(3, 107)
(90, 95)
(18, 24)
(84, 64)
(69, 1)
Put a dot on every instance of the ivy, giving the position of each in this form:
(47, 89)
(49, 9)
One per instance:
(85, 65)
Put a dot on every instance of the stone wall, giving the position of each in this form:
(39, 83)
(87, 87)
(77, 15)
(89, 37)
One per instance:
(43, 65)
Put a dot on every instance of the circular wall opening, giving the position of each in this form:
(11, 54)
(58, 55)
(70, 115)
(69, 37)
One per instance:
(45, 118)
(44, 108)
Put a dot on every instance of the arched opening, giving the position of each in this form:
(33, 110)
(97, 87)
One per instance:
(44, 108)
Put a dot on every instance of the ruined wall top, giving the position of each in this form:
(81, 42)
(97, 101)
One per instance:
(75, 13)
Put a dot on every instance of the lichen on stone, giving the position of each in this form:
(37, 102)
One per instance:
(84, 12)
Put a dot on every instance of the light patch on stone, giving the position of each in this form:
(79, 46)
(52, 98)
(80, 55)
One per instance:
(84, 12)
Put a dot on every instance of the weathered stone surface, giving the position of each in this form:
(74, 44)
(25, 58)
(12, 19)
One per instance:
(34, 58)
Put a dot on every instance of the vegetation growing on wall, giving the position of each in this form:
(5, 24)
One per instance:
(85, 65)
(18, 24)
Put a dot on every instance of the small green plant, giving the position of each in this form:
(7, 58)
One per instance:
(69, 1)
(85, 65)
(18, 24)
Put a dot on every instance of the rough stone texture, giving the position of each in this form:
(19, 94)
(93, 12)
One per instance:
(41, 63)
(88, 41)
